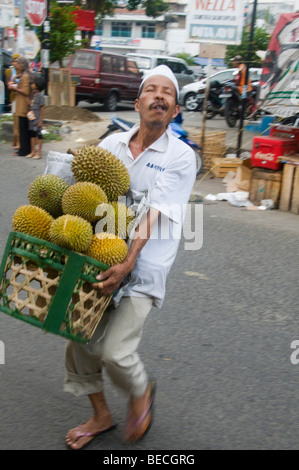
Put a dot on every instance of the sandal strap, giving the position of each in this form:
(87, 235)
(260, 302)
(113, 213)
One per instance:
(81, 433)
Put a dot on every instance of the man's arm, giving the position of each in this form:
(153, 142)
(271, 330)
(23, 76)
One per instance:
(113, 277)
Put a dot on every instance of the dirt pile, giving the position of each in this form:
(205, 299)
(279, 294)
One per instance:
(70, 113)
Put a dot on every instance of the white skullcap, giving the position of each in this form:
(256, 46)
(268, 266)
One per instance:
(165, 72)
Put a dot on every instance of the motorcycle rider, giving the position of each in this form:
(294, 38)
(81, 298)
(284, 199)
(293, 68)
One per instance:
(237, 62)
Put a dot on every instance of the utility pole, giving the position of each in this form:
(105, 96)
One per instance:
(248, 63)
(21, 28)
(45, 52)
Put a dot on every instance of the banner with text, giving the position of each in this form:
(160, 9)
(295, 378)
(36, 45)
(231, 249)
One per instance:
(7, 13)
(216, 21)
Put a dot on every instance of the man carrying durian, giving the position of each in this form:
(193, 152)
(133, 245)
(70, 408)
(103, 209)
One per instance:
(162, 168)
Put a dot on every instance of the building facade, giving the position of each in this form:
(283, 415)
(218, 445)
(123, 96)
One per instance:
(133, 31)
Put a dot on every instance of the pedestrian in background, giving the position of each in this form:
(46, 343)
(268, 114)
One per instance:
(12, 76)
(240, 79)
(37, 107)
(23, 92)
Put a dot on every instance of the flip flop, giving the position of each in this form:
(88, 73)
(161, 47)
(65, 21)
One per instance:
(91, 435)
(147, 413)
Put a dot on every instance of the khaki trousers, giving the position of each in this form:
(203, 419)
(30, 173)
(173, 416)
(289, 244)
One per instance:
(113, 347)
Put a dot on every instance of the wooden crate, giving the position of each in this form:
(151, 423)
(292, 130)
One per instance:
(214, 146)
(51, 287)
(221, 166)
(289, 198)
(265, 184)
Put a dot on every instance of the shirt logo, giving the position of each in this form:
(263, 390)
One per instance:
(155, 167)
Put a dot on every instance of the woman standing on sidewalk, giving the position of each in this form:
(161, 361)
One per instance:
(11, 76)
(23, 92)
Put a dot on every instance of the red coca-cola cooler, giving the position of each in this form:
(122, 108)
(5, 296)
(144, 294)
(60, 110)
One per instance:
(287, 132)
(266, 150)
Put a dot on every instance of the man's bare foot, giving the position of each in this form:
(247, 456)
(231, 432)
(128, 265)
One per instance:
(100, 422)
(79, 437)
(140, 415)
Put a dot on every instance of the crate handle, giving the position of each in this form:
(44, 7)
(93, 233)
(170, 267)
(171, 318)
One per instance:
(69, 278)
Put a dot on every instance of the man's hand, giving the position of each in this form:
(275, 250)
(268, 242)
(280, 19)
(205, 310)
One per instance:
(111, 279)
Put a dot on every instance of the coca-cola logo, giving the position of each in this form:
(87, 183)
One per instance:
(270, 157)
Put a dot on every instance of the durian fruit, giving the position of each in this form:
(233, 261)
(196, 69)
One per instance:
(118, 219)
(72, 232)
(33, 221)
(107, 248)
(82, 199)
(101, 167)
(46, 191)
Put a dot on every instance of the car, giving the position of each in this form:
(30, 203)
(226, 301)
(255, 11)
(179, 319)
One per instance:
(188, 94)
(6, 63)
(147, 62)
(104, 77)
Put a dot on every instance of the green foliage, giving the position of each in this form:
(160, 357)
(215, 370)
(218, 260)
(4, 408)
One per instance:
(101, 7)
(186, 57)
(63, 29)
(152, 8)
(260, 43)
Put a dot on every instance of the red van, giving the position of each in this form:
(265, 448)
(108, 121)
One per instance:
(104, 77)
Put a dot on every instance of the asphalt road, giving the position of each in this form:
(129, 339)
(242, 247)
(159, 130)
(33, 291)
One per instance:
(220, 347)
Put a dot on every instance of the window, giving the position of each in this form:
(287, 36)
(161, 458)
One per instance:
(106, 64)
(118, 64)
(99, 30)
(176, 67)
(132, 67)
(148, 31)
(121, 29)
(84, 60)
(143, 62)
(224, 76)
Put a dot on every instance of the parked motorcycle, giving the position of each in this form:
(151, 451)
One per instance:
(176, 128)
(214, 102)
(233, 103)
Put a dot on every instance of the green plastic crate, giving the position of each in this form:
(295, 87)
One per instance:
(50, 287)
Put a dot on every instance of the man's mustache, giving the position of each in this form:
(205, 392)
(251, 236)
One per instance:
(159, 103)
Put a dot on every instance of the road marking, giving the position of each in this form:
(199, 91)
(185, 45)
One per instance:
(196, 274)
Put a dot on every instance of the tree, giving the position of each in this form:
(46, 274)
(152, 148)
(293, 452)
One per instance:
(101, 7)
(152, 8)
(260, 43)
(62, 36)
(186, 57)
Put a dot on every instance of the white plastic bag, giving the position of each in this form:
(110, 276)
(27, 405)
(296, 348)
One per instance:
(60, 164)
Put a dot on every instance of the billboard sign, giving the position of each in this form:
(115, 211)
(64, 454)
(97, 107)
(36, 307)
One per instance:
(279, 85)
(7, 13)
(216, 21)
(32, 45)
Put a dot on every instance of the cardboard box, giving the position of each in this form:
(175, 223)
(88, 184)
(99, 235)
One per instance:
(289, 198)
(243, 176)
(265, 184)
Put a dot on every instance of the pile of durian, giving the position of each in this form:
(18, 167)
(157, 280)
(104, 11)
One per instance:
(66, 215)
